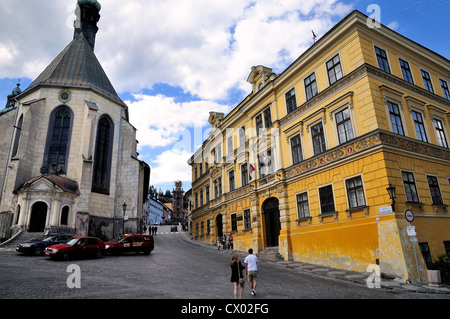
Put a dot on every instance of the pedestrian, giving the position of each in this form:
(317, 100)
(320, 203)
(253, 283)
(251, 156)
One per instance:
(237, 278)
(251, 270)
(224, 241)
(218, 242)
(230, 242)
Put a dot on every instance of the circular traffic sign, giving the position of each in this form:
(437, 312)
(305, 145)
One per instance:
(409, 215)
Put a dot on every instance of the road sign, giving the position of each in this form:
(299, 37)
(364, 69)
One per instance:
(409, 215)
(411, 231)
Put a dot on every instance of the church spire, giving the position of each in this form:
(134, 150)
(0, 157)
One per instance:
(88, 14)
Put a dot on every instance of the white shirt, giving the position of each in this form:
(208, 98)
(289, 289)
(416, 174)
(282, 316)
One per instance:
(251, 261)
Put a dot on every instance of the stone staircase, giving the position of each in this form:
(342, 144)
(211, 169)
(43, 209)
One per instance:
(270, 253)
(21, 237)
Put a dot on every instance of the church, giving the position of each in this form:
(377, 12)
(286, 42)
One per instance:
(68, 153)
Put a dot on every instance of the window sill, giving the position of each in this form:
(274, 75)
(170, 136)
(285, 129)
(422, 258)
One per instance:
(357, 209)
(332, 214)
(304, 219)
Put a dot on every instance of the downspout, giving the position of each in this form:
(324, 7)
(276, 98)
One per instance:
(117, 169)
(9, 150)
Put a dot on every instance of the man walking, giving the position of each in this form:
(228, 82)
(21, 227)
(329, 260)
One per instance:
(251, 269)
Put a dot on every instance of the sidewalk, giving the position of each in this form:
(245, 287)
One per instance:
(352, 276)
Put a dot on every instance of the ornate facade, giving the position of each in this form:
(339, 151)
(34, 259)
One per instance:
(304, 162)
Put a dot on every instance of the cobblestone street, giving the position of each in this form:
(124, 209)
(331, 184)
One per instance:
(180, 268)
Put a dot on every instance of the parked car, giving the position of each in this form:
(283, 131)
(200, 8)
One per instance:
(130, 243)
(37, 246)
(77, 247)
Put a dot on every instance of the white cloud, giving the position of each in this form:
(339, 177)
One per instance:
(161, 120)
(170, 166)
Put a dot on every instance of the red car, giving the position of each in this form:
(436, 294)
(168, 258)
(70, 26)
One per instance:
(77, 247)
(130, 243)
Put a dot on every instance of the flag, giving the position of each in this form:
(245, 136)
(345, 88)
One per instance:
(251, 170)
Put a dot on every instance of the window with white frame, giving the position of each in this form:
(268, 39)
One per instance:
(382, 59)
(427, 81)
(440, 133)
(326, 200)
(334, 69)
(303, 205)
(396, 120)
(355, 192)
(344, 126)
(311, 87)
(445, 90)
(406, 71)
(318, 138)
(296, 148)
(410, 187)
(433, 184)
(291, 102)
(247, 219)
(419, 126)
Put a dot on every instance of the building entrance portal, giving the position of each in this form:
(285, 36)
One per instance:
(38, 218)
(219, 225)
(272, 221)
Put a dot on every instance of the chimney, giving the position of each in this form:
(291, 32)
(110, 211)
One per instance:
(88, 14)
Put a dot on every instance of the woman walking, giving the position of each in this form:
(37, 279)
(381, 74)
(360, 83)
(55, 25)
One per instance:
(237, 277)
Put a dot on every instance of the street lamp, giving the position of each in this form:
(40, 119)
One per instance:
(124, 206)
(391, 192)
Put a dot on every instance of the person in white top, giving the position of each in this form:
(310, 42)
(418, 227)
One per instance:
(251, 269)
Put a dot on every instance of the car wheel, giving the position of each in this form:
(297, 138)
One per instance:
(99, 254)
(38, 251)
(66, 256)
(147, 252)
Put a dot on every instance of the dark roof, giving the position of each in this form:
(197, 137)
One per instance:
(76, 67)
(63, 183)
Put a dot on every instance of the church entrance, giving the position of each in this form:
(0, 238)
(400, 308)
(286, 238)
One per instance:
(38, 218)
(219, 225)
(272, 221)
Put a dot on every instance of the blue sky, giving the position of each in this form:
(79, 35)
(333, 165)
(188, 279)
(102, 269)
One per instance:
(174, 61)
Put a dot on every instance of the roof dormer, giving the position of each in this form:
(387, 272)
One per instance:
(259, 76)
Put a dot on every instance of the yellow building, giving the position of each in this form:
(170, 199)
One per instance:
(305, 161)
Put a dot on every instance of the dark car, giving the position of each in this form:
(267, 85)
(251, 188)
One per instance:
(37, 246)
(77, 247)
(130, 243)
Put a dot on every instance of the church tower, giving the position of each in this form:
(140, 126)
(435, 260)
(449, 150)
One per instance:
(72, 159)
(88, 15)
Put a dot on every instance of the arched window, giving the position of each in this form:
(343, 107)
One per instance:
(58, 141)
(103, 156)
(65, 215)
(17, 138)
(17, 215)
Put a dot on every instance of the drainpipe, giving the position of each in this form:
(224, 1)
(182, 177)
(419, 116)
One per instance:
(9, 151)
(117, 169)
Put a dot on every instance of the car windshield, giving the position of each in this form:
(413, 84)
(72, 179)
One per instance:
(71, 241)
(43, 238)
(117, 239)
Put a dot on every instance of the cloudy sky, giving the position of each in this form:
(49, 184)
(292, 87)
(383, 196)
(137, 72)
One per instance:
(174, 61)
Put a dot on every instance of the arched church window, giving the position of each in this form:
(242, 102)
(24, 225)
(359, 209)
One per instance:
(17, 138)
(65, 215)
(60, 131)
(103, 156)
(17, 215)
